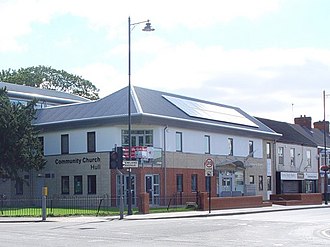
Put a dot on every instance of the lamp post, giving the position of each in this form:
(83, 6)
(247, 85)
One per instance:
(147, 28)
(325, 155)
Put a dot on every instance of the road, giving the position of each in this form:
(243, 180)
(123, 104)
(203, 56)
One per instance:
(308, 227)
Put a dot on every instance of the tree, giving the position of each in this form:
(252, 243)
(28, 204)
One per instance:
(49, 78)
(20, 149)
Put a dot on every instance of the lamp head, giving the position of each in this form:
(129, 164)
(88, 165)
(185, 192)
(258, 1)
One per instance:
(148, 27)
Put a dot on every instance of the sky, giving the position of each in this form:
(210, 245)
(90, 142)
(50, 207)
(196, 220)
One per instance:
(271, 58)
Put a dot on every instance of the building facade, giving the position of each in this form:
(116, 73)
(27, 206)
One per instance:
(172, 137)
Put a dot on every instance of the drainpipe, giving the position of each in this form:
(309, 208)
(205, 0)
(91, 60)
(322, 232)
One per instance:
(165, 170)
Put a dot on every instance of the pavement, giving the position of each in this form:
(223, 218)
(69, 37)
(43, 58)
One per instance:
(169, 215)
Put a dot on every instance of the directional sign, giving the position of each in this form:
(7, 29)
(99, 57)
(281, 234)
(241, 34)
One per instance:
(130, 164)
(208, 167)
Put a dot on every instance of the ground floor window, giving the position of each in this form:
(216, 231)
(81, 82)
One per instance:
(78, 186)
(179, 183)
(65, 185)
(194, 182)
(91, 184)
(261, 183)
(269, 183)
(19, 187)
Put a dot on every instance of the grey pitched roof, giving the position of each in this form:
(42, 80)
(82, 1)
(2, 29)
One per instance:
(314, 134)
(288, 131)
(147, 107)
(26, 92)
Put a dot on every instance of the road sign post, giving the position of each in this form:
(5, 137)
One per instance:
(208, 167)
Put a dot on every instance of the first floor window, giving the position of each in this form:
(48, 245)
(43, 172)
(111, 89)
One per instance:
(308, 158)
(179, 183)
(178, 141)
(65, 144)
(280, 153)
(207, 144)
(230, 146)
(251, 179)
(268, 150)
(65, 184)
(78, 186)
(91, 184)
(251, 151)
(194, 182)
(91, 146)
(292, 157)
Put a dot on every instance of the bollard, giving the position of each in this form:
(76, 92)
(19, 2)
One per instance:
(43, 202)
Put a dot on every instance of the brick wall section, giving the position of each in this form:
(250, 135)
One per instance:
(297, 199)
(230, 202)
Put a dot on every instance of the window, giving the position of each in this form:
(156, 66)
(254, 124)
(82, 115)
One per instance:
(251, 180)
(65, 144)
(308, 158)
(292, 157)
(280, 152)
(65, 185)
(41, 142)
(268, 150)
(19, 187)
(207, 183)
(261, 183)
(194, 183)
(207, 144)
(138, 138)
(178, 141)
(91, 184)
(91, 147)
(251, 151)
(179, 183)
(230, 146)
(269, 183)
(78, 186)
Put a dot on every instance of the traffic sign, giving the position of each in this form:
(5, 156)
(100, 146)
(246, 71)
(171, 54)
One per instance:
(130, 164)
(208, 167)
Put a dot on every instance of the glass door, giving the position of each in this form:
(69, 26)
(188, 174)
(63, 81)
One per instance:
(152, 186)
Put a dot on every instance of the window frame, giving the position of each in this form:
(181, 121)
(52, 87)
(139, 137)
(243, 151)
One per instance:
(280, 153)
(65, 185)
(194, 182)
(261, 182)
(78, 189)
(91, 142)
(178, 141)
(179, 183)
(292, 157)
(91, 184)
(230, 142)
(65, 144)
(207, 143)
(251, 149)
(268, 150)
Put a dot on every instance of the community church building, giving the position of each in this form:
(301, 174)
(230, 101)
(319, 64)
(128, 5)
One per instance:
(172, 136)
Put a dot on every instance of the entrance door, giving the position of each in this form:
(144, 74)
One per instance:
(152, 186)
(225, 184)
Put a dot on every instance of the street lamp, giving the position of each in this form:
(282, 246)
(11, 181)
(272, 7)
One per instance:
(326, 165)
(147, 28)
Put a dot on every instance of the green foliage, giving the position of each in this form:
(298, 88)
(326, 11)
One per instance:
(20, 149)
(49, 78)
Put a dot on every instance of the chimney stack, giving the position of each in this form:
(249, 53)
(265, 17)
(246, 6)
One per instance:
(304, 121)
(320, 125)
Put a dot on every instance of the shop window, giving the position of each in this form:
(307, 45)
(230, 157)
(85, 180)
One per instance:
(230, 146)
(194, 183)
(65, 185)
(261, 183)
(178, 141)
(65, 144)
(179, 182)
(91, 144)
(91, 184)
(19, 187)
(77, 185)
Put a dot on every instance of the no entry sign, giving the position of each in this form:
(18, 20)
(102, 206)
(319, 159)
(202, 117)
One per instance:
(208, 167)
